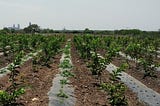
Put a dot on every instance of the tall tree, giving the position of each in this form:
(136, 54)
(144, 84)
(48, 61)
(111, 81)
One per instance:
(34, 28)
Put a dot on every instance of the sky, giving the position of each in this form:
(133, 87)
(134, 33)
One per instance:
(81, 14)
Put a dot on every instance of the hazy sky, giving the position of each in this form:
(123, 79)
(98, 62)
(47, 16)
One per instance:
(81, 14)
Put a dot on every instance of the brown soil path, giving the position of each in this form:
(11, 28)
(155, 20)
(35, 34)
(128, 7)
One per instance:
(86, 90)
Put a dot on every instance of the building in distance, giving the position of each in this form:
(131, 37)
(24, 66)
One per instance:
(14, 27)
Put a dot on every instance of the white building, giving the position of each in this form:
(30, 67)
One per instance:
(14, 27)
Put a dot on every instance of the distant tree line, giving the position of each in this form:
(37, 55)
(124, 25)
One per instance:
(31, 29)
(34, 29)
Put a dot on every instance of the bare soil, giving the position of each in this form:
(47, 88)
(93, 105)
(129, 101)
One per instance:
(5, 60)
(87, 91)
(37, 83)
(151, 82)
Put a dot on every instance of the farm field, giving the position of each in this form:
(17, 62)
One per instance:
(79, 70)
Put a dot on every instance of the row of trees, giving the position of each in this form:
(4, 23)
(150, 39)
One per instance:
(34, 28)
